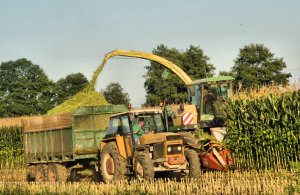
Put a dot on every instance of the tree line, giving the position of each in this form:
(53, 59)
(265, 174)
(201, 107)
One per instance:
(25, 89)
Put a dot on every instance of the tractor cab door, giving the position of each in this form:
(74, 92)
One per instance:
(127, 135)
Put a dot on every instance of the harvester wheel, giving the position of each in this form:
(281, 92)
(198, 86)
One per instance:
(194, 164)
(56, 173)
(113, 165)
(143, 167)
(40, 173)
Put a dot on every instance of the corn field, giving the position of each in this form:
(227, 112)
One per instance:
(247, 182)
(264, 128)
(11, 147)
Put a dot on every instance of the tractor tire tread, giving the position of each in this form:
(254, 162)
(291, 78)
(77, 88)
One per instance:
(120, 162)
(194, 163)
(147, 165)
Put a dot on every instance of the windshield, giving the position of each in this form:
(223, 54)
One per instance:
(214, 97)
(152, 123)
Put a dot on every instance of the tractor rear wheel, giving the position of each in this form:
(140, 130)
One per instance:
(193, 164)
(143, 167)
(112, 164)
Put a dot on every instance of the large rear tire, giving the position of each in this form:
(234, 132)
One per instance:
(143, 167)
(112, 164)
(193, 164)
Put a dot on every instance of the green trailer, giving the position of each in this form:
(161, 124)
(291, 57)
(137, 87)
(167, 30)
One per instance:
(66, 146)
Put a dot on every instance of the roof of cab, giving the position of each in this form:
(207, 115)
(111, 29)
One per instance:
(212, 79)
(140, 111)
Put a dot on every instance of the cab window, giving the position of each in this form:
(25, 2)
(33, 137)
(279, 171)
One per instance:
(114, 126)
(125, 124)
(223, 91)
(159, 123)
(194, 94)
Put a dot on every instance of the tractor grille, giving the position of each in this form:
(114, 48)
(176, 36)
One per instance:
(174, 149)
(158, 150)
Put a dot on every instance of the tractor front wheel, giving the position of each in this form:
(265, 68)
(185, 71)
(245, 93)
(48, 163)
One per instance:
(113, 165)
(194, 170)
(144, 167)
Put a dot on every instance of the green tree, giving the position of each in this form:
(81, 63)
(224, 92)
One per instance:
(65, 88)
(24, 89)
(172, 89)
(114, 94)
(227, 73)
(256, 66)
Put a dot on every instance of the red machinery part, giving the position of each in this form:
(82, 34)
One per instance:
(210, 160)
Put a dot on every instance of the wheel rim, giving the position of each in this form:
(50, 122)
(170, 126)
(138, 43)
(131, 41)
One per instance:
(109, 167)
(51, 174)
(139, 171)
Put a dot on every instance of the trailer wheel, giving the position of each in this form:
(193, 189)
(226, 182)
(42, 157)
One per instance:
(193, 164)
(143, 167)
(40, 173)
(74, 176)
(56, 173)
(113, 165)
(30, 176)
(62, 173)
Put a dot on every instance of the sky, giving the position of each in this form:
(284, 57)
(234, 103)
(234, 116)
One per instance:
(71, 36)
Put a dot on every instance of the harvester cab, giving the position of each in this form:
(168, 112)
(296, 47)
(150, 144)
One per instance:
(209, 95)
(136, 143)
(205, 108)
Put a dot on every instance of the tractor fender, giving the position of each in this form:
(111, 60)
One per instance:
(120, 144)
(190, 140)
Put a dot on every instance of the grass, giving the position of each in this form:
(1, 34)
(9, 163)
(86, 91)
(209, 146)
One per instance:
(248, 182)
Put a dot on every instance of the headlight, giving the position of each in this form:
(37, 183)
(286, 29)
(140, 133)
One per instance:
(169, 149)
(179, 148)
